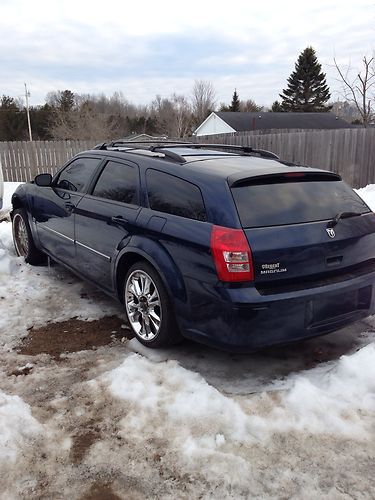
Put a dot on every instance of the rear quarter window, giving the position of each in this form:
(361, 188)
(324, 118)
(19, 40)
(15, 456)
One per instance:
(169, 194)
(275, 204)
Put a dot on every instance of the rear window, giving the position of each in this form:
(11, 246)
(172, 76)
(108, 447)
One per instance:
(294, 202)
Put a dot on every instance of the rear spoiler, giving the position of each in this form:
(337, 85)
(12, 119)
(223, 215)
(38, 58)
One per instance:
(295, 175)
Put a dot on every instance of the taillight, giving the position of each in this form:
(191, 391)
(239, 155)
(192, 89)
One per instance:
(232, 254)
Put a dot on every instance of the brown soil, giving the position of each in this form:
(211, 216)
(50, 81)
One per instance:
(73, 335)
(100, 491)
(82, 443)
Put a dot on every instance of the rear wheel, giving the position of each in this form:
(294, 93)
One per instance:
(23, 239)
(148, 307)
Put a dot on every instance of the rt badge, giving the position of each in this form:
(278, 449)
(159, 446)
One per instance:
(331, 233)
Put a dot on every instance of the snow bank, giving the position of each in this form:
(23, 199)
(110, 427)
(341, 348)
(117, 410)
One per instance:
(9, 188)
(368, 194)
(184, 397)
(336, 399)
(17, 426)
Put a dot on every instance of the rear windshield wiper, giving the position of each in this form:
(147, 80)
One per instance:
(342, 215)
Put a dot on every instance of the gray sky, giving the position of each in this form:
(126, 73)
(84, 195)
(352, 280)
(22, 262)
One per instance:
(159, 47)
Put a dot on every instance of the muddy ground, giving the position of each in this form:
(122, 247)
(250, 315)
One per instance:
(85, 453)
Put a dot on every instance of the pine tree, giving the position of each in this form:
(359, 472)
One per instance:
(66, 100)
(276, 107)
(235, 104)
(307, 89)
(12, 120)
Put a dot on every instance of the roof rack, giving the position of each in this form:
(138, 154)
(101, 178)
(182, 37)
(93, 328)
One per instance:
(227, 147)
(130, 144)
(137, 147)
(165, 147)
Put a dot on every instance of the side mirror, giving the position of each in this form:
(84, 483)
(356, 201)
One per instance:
(43, 180)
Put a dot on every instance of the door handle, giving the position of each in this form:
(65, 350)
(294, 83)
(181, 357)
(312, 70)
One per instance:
(119, 220)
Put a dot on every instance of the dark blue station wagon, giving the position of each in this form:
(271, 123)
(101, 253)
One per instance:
(224, 245)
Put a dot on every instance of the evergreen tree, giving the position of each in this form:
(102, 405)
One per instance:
(41, 119)
(66, 100)
(277, 107)
(235, 104)
(307, 89)
(13, 125)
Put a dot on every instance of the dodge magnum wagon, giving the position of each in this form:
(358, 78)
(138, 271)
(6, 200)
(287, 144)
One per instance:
(224, 245)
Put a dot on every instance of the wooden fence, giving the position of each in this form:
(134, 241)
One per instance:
(22, 161)
(349, 152)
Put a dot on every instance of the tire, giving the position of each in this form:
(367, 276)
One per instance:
(23, 239)
(148, 307)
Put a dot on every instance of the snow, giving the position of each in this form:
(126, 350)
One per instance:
(368, 194)
(184, 422)
(340, 400)
(17, 426)
(9, 188)
(334, 399)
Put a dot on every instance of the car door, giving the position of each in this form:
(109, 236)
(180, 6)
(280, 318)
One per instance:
(104, 218)
(54, 208)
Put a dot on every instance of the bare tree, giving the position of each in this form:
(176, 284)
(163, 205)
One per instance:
(250, 106)
(83, 123)
(182, 112)
(203, 100)
(163, 109)
(358, 89)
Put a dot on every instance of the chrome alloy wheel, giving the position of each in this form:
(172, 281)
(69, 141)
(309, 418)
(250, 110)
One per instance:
(20, 234)
(143, 305)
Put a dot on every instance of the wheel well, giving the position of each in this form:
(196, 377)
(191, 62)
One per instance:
(127, 260)
(16, 203)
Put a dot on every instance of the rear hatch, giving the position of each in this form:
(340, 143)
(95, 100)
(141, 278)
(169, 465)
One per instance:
(305, 229)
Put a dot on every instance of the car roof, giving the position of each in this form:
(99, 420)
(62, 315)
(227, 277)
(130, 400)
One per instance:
(196, 164)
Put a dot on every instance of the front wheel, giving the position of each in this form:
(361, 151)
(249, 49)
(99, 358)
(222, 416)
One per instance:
(148, 307)
(23, 239)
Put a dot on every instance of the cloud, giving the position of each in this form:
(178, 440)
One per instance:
(157, 48)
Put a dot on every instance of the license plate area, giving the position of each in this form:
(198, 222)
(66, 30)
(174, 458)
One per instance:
(328, 309)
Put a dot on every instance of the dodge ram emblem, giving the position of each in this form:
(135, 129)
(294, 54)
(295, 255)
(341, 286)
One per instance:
(331, 233)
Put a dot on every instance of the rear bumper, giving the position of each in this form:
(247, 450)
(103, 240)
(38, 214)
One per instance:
(241, 319)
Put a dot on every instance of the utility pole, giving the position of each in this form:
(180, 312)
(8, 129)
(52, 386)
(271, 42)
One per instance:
(27, 95)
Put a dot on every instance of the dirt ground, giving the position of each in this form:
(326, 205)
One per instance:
(86, 454)
(57, 339)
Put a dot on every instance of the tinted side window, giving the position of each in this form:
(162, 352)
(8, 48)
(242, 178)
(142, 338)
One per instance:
(77, 174)
(167, 193)
(118, 182)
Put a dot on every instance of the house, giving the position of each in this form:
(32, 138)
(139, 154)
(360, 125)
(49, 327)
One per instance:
(225, 122)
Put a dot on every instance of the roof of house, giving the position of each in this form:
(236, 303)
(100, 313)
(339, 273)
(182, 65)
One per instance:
(268, 120)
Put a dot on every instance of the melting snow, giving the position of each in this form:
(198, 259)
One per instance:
(304, 433)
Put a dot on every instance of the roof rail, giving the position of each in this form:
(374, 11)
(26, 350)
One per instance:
(102, 145)
(165, 147)
(149, 143)
(152, 147)
(227, 147)
(169, 154)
